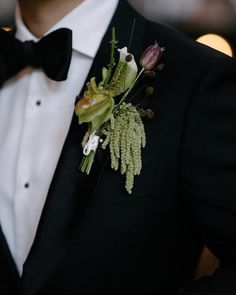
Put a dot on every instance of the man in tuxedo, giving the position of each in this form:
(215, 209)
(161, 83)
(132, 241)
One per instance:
(63, 232)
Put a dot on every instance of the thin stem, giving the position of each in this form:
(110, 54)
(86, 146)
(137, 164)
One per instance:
(131, 35)
(87, 163)
(130, 89)
(136, 93)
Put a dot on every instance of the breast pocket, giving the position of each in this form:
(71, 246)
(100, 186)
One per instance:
(111, 188)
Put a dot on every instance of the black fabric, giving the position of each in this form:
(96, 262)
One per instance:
(93, 238)
(52, 53)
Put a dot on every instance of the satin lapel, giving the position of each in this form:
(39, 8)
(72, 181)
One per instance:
(9, 276)
(71, 192)
(8, 271)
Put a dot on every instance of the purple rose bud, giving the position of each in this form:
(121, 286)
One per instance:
(151, 56)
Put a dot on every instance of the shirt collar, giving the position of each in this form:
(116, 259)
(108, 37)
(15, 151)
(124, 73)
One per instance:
(88, 21)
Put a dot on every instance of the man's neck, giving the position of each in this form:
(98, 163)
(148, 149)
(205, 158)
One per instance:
(40, 15)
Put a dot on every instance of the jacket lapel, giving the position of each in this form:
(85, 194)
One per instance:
(9, 277)
(71, 192)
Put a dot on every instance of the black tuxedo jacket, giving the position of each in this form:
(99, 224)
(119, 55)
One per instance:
(94, 238)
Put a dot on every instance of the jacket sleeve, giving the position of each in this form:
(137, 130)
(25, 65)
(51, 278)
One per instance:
(208, 173)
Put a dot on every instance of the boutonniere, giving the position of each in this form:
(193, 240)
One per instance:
(113, 121)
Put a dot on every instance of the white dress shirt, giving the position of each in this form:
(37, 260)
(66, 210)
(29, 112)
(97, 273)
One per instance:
(35, 115)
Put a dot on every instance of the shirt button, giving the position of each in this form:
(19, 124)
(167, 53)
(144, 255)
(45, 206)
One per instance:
(27, 185)
(38, 103)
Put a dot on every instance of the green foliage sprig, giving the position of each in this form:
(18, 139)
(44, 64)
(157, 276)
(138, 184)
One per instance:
(125, 138)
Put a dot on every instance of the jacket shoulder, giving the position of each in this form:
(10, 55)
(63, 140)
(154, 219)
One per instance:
(180, 48)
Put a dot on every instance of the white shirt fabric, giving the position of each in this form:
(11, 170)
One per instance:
(35, 115)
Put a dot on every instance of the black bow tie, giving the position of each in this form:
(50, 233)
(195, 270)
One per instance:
(52, 53)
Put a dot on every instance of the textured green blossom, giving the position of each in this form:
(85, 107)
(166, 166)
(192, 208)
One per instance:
(125, 73)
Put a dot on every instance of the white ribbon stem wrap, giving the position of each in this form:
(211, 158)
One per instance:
(91, 144)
